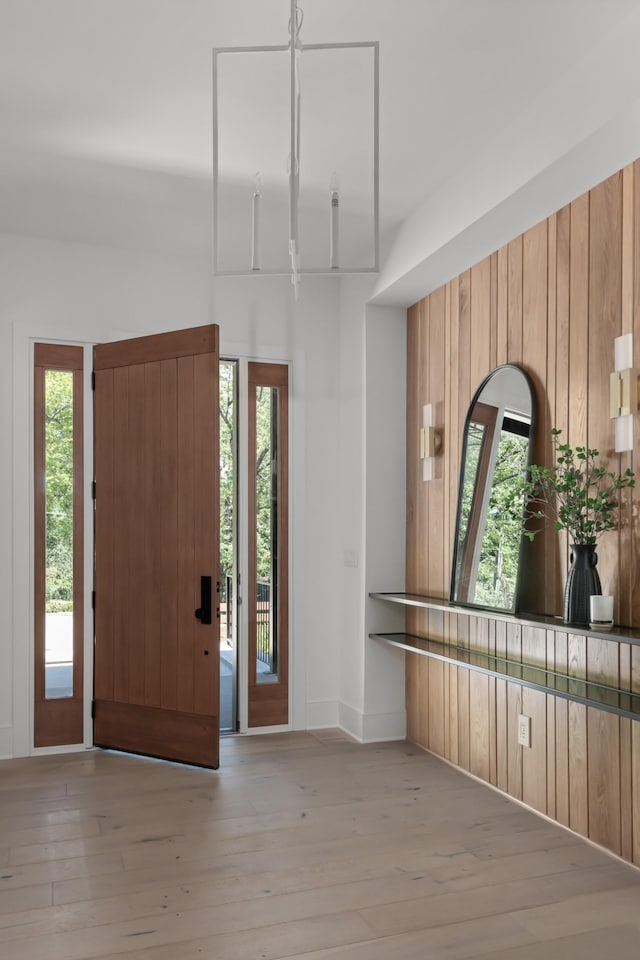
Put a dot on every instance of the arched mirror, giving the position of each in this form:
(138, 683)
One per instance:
(496, 452)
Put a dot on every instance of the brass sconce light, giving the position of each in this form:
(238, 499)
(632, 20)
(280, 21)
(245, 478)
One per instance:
(623, 393)
(430, 442)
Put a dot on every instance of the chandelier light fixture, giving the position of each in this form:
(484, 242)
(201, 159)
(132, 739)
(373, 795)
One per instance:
(295, 157)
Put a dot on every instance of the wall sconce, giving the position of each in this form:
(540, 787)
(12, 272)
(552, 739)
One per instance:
(623, 393)
(430, 442)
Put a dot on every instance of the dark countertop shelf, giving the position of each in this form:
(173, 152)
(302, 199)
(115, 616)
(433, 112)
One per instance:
(618, 633)
(621, 702)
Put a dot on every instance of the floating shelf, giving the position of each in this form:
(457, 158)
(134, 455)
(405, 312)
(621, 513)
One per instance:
(603, 697)
(620, 634)
(592, 694)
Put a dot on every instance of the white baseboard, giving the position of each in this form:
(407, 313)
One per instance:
(385, 726)
(53, 751)
(350, 720)
(372, 727)
(321, 715)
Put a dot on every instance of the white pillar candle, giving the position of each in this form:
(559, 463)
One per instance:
(255, 224)
(601, 609)
(334, 226)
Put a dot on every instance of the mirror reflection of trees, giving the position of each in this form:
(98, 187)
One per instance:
(499, 554)
(496, 451)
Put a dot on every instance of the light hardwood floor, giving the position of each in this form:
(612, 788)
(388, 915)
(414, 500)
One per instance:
(301, 845)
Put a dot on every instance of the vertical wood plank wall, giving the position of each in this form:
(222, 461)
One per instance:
(551, 301)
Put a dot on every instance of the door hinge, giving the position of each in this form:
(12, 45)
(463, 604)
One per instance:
(217, 586)
(93, 709)
(93, 599)
(93, 379)
(93, 489)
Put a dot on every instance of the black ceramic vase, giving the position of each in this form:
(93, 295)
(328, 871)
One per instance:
(582, 582)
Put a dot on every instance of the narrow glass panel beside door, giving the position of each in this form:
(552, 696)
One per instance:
(228, 544)
(58, 417)
(58, 564)
(267, 589)
(267, 534)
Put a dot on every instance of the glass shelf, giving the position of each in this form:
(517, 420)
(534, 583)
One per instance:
(619, 634)
(620, 702)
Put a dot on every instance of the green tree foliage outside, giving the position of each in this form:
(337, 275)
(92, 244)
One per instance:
(266, 478)
(227, 466)
(59, 489)
(266, 419)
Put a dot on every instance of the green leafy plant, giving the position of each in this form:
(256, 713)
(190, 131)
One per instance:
(579, 494)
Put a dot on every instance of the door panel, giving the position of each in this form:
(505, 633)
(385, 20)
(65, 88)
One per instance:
(156, 461)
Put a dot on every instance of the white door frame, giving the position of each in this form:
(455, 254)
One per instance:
(23, 533)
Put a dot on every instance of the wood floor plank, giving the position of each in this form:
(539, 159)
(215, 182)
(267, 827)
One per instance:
(421, 913)
(367, 874)
(579, 914)
(619, 942)
(299, 846)
(16, 901)
(460, 941)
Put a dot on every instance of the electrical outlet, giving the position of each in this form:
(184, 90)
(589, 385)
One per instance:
(524, 730)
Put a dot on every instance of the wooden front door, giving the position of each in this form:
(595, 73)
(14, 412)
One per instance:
(156, 543)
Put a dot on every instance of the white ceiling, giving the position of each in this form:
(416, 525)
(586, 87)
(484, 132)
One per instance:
(105, 105)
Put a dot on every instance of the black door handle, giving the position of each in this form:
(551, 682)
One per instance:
(203, 613)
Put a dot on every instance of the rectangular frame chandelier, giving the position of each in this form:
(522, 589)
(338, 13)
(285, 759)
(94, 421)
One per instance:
(296, 158)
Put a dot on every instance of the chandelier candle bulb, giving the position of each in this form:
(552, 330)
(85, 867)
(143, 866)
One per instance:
(334, 232)
(255, 223)
(601, 608)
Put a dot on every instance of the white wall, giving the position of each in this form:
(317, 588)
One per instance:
(71, 292)
(386, 456)
(260, 317)
(351, 463)
(88, 293)
(577, 131)
(372, 462)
